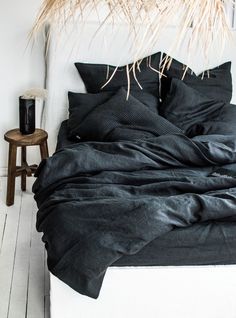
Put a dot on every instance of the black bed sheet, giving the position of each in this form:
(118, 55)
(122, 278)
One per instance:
(209, 243)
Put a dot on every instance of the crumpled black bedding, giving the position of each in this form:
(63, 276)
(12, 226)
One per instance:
(205, 243)
(100, 200)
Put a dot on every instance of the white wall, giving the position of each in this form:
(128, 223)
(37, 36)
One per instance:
(20, 67)
(82, 42)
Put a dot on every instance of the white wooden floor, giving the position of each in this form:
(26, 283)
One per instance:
(24, 279)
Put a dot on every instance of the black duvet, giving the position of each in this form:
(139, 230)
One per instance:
(104, 199)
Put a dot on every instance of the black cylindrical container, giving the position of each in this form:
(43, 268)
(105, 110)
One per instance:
(27, 115)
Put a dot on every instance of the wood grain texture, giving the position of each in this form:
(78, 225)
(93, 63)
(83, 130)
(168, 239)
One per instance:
(24, 276)
(15, 137)
(23, 162)
(3, 220)
(11, 174)
(35, 302)
(18, 296)
(8, 253)
(44, 150)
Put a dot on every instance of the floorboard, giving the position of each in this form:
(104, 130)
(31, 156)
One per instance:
(3, 220)
(46, 288)
(8, 253)
(24, 277)
(19, 287)
(3, 214)
(35, 305)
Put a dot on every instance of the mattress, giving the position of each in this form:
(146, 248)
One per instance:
(163, 292)
(208, 243)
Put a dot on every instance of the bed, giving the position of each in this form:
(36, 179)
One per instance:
(161, 278)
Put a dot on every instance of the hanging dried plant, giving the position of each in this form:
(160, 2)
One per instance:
(204, 21)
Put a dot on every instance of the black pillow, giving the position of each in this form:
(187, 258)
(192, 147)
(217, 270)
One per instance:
(95, 76)
(215, 83)
(197, 114)
(109, 116)
(89, 101)
(84, 103)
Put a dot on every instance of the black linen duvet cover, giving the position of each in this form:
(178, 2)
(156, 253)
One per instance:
(100, 200)
(205, 243)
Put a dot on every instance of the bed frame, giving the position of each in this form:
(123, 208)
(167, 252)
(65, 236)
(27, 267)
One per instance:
(163, 292)
(130, 292)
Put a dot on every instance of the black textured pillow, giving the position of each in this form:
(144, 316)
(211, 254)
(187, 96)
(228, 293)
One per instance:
(85, 103)
(109, 116)
(95, 76)
(215, 83)
(197, 114)
(89, 101)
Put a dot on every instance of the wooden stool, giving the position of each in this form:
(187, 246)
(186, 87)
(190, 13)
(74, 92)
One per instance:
(16, 139)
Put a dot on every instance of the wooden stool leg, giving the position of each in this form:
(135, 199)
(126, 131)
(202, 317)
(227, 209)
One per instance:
(44, 150)
(23, 174)
(11, 175)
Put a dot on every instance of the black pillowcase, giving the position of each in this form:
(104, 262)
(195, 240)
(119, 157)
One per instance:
(80, 105)
(197, 114)
(215, 83)
(95, 76)
(91, 100)
(109, 116)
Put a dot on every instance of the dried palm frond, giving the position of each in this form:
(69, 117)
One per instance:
(201, 21)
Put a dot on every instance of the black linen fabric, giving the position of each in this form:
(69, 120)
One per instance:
(197, 114)
(206, 243)
(63, 139)
(121, 119)
(140, 180)
(215, 83)
(90, 101)
(114, 198)
(95, 76)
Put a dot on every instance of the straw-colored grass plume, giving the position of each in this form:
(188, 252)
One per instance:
(201, 21)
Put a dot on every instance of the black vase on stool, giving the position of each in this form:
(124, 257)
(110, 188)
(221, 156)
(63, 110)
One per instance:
(27, 116)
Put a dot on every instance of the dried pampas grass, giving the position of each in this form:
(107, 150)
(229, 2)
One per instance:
(35, 93)
(201, 21)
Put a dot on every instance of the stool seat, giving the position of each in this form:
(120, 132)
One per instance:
(15, 139)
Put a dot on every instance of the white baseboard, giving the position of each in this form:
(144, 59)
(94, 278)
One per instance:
(3, 172)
